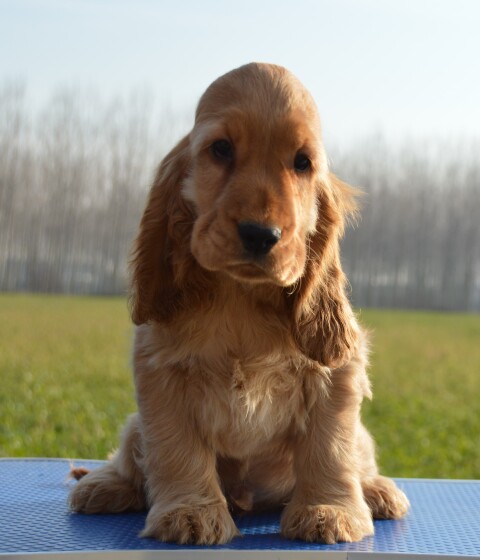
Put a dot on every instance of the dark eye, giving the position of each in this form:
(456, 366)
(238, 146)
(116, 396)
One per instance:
(302, 162)
(222, 149)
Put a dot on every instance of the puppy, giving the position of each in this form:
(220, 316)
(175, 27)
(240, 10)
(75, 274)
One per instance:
(249, 363)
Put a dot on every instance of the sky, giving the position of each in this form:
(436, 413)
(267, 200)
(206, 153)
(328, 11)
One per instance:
(403, 68)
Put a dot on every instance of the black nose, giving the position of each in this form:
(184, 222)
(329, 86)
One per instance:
(258, 239)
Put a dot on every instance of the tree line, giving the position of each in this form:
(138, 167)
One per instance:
(74, 174)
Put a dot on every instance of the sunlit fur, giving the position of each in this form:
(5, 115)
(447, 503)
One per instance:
(249, 373)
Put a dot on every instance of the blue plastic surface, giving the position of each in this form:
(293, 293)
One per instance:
(34, 517)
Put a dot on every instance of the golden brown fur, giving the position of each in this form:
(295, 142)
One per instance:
(249, 369)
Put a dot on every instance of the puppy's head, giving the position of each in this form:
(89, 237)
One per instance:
(248, 194)
(257, 166)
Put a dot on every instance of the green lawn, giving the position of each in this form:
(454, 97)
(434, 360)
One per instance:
(66, 384)
(65, 379)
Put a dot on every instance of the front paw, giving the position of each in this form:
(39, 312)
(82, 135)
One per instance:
(384, 498)
(326, 523)
(205, 525)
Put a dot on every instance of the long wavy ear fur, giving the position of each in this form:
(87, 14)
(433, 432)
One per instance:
(161, 250)
(324, 325)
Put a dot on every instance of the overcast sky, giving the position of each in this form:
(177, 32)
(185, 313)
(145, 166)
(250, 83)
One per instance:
(406, 67)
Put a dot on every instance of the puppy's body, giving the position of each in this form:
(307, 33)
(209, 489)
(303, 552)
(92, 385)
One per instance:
(249, 363)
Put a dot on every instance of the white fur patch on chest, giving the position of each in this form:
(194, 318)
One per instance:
(256, 401)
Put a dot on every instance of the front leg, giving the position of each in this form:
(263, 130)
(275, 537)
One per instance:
(186, 502)
(328, 504)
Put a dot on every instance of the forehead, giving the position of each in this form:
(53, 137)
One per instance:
(259, 96)
(263, 87)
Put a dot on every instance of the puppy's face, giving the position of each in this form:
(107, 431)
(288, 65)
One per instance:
(257, 167)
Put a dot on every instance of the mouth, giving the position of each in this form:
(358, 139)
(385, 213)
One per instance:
(255, 274)
(248, 271)
(224, 255)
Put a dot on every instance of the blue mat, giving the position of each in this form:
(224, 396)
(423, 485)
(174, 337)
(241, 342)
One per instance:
(34, 518)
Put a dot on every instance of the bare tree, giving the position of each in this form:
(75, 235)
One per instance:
(418, 244)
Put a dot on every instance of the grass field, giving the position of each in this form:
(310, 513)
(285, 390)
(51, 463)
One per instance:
(66, 385)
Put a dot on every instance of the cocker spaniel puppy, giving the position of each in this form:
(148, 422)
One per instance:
(249, 363)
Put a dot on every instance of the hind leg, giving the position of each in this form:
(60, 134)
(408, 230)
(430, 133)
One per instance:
(118, 485)
(384, 498)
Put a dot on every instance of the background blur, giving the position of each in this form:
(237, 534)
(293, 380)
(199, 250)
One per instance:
(94, 92)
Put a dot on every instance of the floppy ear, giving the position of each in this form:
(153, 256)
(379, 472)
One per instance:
(323, 321)
(161, 250)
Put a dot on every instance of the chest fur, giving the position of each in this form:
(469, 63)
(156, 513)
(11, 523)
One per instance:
(248, 403)
(246, 382)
